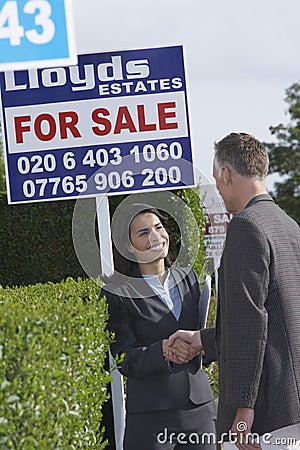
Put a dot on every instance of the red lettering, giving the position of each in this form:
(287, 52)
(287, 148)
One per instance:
(68, 121)
(163, 115)
(38, 127)
(124, 121)
(143, 126)
(20, 129)
(97, 118)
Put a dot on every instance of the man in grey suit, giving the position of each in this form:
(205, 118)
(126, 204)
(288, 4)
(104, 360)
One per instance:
(256, 340)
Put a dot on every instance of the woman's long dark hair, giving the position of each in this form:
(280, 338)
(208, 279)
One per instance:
(124, 261)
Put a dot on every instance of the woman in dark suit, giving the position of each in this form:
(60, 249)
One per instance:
(168, 406)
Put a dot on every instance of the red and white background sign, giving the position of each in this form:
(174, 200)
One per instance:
(215, 233)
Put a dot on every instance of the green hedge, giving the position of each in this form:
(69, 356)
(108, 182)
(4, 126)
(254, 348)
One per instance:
(53, 344)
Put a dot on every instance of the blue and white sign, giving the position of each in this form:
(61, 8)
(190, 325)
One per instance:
(115, 123)
(36, 33)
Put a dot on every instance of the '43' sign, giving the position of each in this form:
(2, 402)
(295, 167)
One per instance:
(36, 33)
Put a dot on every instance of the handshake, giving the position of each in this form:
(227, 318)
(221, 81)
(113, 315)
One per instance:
(182, 346)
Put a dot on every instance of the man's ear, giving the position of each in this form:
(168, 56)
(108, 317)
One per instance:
(226, 175)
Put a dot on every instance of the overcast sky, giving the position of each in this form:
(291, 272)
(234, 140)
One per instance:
(240, 57)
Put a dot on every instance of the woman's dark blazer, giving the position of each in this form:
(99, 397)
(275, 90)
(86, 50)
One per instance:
(140, 321)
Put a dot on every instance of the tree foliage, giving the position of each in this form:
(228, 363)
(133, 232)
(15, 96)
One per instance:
(285, 156)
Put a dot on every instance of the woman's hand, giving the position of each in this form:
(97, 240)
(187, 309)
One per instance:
(179, 352)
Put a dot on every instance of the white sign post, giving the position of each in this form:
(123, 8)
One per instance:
(107, 263)
(107, 269)
(116, 123)
(36, 33)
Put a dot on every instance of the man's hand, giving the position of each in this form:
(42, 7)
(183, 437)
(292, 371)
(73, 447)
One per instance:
(242, 429)
(182, 346)
(190, 337)
(180, 352)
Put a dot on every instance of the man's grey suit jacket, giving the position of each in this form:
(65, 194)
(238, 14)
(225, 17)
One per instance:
(257, 335)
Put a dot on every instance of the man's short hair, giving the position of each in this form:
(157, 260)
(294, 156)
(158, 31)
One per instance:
(243, 153)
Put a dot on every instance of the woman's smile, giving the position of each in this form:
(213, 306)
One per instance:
(157, 247)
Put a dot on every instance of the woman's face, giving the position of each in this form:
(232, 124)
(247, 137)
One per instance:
(149, 238)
